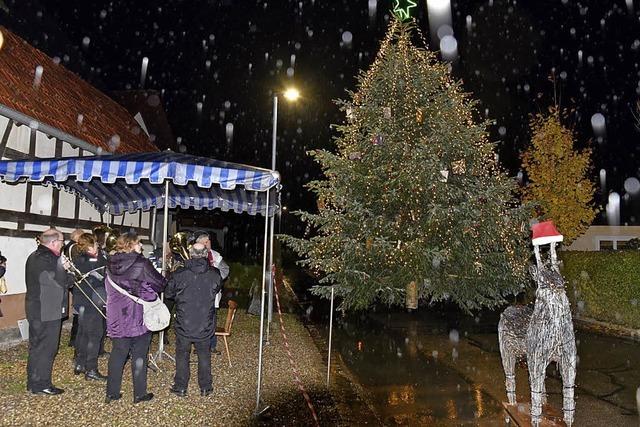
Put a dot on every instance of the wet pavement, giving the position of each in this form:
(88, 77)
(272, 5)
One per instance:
(444, 370)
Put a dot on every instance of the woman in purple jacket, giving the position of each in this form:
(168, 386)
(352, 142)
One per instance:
(131, 271)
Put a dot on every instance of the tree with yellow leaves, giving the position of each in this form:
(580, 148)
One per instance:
(558, 175)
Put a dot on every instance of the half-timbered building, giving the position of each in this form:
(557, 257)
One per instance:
(46, 111)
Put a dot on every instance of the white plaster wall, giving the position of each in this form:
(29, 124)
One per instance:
(588, 241)
(16, 250)
(19, 138)
(146, 219)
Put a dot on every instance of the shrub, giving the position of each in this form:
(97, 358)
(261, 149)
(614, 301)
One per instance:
(604, 286)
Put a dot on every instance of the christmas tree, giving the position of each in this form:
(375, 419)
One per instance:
(413, 197)
(558, 175)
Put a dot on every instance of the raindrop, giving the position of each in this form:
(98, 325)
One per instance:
(143, 70)
(373, 8)
(153, 100)
(85, 42)
(502, 131)
(229, 131)
(37, 78)
(114, 143)
(632, 185)
(444, 30)
(454, 336)
(613, 209)
(347, 38)
(598, 124)
(449, 48)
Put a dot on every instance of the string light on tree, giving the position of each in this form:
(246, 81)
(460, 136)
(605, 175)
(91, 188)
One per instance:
(402, 212)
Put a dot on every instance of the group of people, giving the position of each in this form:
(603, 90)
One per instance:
(102, 280)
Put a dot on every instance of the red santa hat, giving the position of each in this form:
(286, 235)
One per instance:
(545, 233)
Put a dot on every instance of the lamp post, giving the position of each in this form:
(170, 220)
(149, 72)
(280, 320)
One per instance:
(291, 94)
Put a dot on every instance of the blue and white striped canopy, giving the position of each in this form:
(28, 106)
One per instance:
(131, 182)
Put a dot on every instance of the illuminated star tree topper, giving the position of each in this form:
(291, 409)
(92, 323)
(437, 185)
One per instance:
(402, 8)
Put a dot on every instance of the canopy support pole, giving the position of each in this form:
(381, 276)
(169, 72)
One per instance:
(165, 237)
(271, 279)
(330, 334)
(274, 140)
(152, 237)
(264, 271)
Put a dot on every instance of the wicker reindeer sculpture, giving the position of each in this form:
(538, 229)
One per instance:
(543, 335)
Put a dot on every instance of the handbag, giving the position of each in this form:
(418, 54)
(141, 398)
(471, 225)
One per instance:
(155, 314)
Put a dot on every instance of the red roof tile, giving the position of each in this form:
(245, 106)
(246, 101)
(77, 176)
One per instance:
(63, 100)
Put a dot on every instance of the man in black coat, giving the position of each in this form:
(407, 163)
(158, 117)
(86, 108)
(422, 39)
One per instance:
(194, 288)
(46, 304)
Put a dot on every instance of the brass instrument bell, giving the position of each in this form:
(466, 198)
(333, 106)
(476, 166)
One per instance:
(111, 240)
(179, 244)
(101, 233)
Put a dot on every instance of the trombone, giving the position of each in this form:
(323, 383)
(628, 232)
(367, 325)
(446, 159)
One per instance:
(80, 277)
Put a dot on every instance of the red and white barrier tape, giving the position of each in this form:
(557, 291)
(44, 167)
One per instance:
(286, 345)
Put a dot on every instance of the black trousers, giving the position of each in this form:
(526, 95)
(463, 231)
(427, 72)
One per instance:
(44, 338)
(74, 330)
(90, 332)
(183, 353)
(138, 347)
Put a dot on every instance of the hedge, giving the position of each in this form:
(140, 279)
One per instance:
(604, 286)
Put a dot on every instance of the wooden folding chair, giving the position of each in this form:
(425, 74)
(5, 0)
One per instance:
(226, 331)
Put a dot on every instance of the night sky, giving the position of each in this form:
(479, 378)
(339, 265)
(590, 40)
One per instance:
(218, 62)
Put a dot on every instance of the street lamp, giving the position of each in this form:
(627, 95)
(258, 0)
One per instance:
(291, 94)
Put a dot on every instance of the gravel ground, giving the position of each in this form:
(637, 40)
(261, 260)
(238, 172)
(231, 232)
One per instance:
(233, 401)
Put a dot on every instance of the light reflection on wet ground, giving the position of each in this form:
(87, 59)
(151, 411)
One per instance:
(407, 385)
(420, 370)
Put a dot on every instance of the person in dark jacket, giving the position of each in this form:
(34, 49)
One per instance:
(215, 261)
(46, 304)
(194, 288)
(89, 298)
(66, 250)
(131, 271)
